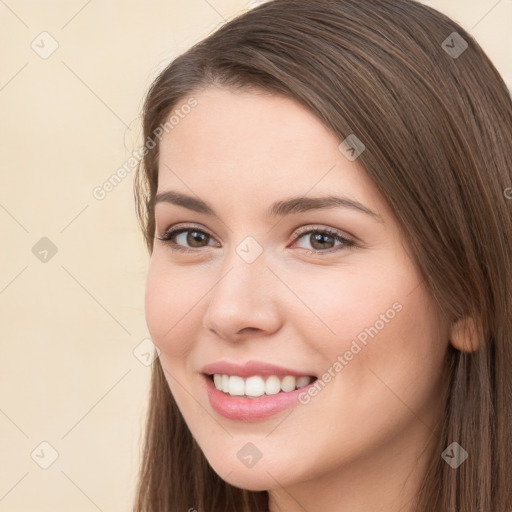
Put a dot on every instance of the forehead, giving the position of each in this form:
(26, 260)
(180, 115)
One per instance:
(226, 124)
(257, 148)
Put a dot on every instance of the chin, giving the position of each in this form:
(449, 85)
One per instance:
(262, 476)
(246, 479)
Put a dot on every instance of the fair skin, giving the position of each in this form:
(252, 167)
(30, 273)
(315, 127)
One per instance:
(355, 447)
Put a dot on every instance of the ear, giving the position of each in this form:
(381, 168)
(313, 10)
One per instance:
(464, 335)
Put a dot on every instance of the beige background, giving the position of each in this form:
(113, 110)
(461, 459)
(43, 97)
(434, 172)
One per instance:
(72, 372)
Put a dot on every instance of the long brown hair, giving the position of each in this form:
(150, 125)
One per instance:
(436, 119)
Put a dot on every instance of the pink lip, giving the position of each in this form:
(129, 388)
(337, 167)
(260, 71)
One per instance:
(245, 409)
(251, 368)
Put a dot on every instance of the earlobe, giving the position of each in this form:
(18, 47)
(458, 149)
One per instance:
(464, 335)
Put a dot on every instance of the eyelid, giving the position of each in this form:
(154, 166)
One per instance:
(347, 241)
(326, 229)
(175, 230)
(185, 227)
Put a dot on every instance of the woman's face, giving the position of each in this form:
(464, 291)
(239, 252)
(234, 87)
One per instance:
(280, 290)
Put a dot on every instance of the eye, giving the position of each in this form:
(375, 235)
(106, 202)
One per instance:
(190, 235)
(322, 240)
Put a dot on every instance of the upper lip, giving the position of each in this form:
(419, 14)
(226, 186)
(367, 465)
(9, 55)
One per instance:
(250, 368)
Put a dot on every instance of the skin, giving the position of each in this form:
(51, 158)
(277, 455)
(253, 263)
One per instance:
(353, 447)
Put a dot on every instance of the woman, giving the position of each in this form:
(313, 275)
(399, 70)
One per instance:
(325, 195)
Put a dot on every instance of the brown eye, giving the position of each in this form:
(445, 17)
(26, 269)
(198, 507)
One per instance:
(186, 239)
(196, 238)
(323, 240)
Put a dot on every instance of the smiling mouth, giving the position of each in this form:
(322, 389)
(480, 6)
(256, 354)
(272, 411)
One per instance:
(256, 385)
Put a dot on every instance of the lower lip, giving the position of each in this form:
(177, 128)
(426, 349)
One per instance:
(241, 408)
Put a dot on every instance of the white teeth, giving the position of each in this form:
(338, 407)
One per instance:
(254, 386)
(258, 386)
(288, 383)
(302, 381)
(225, 383)
(236, 385)
(272, 385)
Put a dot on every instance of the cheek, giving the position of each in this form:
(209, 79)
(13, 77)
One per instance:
(171, 303)
(391, 350)
(379, 316)
(394, 347)
(339, 303)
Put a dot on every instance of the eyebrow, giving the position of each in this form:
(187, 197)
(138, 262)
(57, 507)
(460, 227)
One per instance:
(278, 209)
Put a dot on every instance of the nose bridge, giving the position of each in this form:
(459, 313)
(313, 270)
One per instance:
(242, 295)
(243, 274)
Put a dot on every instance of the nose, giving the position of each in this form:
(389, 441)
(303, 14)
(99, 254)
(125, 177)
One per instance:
(243, 302)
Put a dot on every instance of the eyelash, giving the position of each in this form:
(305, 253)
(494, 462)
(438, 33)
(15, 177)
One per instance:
(170, 234)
